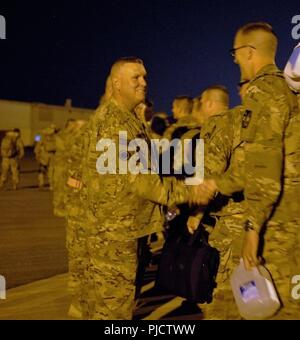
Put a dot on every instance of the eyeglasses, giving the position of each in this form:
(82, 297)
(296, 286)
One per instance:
(233, 50)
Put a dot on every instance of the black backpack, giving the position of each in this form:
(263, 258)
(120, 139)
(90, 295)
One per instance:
(188, 267)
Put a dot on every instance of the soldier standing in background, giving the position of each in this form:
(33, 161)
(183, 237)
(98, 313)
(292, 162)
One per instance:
(20, 144)
(224, 156)
(182, 109)
(12, 151)
(62, 143)
(75, 215)
(44, 152)
(214, 101)
(80, 282)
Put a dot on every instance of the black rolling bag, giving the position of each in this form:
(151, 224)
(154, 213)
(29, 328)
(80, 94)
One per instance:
(188, 267)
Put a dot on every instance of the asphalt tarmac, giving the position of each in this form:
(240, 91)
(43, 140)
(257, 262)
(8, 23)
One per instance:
(32, 240)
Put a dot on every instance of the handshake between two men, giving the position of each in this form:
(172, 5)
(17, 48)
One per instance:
(201, 195)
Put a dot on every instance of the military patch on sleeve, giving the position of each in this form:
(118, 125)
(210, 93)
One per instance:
(246, 119)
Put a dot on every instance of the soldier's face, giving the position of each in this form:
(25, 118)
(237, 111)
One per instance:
(242, 56)
(205, 104)
(133, 84)
(197, 110)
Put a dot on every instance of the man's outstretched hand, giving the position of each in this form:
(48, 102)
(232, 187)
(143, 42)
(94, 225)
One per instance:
(203, 193)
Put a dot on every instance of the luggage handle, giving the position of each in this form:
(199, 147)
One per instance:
(197, 234)
(194, 237)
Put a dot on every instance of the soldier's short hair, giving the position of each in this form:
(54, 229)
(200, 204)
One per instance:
(218, 87)
(183, 97)
(257, 26)
(125, 60)
(122, 61)
(269, 42)
(222, 94)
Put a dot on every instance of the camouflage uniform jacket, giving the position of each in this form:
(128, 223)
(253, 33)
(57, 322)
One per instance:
(11, 147)
(270, 130)
(61, 143)
(180, 127)
(224, 159)
(125, 206)
(75, 205)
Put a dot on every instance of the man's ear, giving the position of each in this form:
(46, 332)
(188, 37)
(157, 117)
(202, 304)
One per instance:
(116, 83)
(210, 104)
(250, 53)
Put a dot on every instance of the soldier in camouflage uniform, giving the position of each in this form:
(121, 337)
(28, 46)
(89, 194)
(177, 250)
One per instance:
(50, 149)
(270, 128)
(212, 111)
(224, 156)
(272, 149)
(121, 208)
(42, 159)
(75, 214)
(12, 150)
(213, 100)
(44, 152)
(182, 109)
(80, 279)
(222, 150)
(292, 76)
(74, 160)
(62, 142)
(196, 111)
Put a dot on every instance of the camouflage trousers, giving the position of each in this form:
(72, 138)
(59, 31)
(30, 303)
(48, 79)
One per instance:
(46, 170)
(78, 284)
(59, 208)
(51, 170)
(113, 270)
(280, 253)
(227, 237)
(10, 164)
(43, 169)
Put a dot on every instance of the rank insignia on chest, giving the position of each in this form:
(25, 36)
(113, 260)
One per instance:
(246, 119)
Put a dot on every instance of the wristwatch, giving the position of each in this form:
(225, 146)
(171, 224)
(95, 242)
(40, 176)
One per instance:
(249, 226)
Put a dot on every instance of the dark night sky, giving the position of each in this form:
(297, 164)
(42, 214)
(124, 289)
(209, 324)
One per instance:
(58, 50)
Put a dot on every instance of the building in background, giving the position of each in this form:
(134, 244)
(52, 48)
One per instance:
(31, 118)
